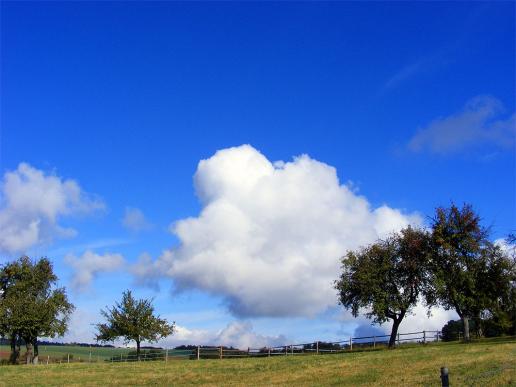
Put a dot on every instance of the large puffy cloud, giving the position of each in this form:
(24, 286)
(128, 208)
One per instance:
(31, 204)
(480, 122)
(270, 235)
(88, 265)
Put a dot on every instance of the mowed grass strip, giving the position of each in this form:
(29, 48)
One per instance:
(486, 363)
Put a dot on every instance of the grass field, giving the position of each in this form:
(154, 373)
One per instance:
(75, 351)
(484, 363)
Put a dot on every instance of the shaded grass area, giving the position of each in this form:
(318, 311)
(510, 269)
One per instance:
(483, 363)
(75, 351)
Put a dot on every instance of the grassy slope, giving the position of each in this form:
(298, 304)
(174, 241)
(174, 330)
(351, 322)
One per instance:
(55, 351)
(484, 363)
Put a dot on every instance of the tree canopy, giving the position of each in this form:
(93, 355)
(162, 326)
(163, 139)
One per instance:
(133, 320)
(469, 273)
(386, 278)
(30, 305)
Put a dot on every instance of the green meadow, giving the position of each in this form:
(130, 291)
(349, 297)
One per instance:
(482, 363)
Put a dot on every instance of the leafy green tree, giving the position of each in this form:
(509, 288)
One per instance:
(470, 274)
(31, 306)
(133, 320)
(386, 278)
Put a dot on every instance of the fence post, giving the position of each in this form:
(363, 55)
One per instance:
(248, 350)
(374, 342)
(317, 348)
(424, 337)
(437, 336)
(269, 352)
(351, 344)
(221, 352)
(120, 358)
(166, 355)
(286, 349)
(48, 358)
(291, 349)
(198, 352)
(445, 382)
(90, 357)
(398, 339)
(68, 355)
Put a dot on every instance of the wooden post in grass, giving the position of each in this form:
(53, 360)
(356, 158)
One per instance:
(424, 337)
(398, 339)
(269, 352)
(68, 355)
(166, 355)
(291, 349)
(220, 349)
(317, 348)
(48, 358)
(445, 381)
(120, 358)
(198, 352)
(248, 350)
(351, 344)
(374, 342)
(437, 336)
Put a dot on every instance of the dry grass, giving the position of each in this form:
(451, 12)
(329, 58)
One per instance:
(486, 363)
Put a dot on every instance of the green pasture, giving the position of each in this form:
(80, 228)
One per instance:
(482, 363)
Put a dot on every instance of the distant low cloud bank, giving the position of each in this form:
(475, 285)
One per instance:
(270, 235)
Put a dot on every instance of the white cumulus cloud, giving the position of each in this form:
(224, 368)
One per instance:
(270, 235)
(31, 204)
(88, 265)
(238, 334)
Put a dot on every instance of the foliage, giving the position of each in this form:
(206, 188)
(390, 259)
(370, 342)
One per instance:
(386, 278)
(469, 273)
(133, 320)
(30, 305)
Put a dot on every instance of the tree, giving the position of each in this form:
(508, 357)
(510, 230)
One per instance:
(133, 320)
(386, 277)
(470, 274)
(31, 306)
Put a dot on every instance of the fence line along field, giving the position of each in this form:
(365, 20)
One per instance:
(82, 353)
(487, 362)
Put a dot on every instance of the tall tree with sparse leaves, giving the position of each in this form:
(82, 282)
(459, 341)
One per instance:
(133, 320)
(31, 306)
(386, 278)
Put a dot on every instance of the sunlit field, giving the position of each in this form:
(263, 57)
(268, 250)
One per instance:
(487, 362)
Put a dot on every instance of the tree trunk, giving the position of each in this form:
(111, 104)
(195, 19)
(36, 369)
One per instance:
(465, 322)
(15, 350)
(138, 349)
(35, 360)
(395, 325)
(29, 353)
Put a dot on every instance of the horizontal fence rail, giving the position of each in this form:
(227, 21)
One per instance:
(119, 355)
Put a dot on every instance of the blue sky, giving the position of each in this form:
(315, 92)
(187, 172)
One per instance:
(410, 104)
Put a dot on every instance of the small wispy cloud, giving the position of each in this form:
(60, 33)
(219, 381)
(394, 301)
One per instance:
(134, 220)
(479, 123)
(89, 265)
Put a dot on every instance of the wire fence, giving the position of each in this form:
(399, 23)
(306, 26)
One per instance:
(122, 355)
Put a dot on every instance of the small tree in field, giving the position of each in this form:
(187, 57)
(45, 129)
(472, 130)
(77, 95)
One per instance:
(386, 278)
(133, 320)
